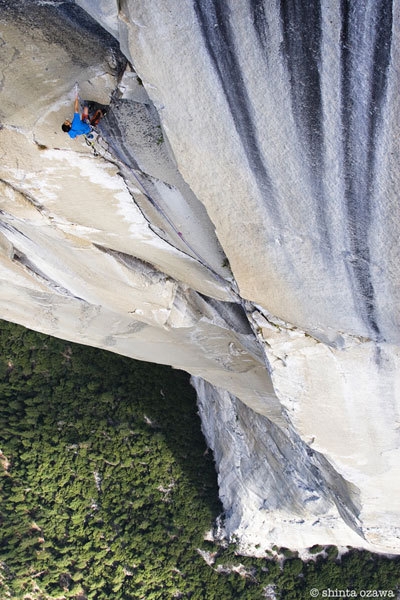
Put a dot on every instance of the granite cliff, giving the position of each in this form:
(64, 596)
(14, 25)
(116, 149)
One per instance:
(235, 217)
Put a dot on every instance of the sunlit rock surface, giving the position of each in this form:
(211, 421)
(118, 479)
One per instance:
(237, 217)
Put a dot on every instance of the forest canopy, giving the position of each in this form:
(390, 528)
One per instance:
(107, 488)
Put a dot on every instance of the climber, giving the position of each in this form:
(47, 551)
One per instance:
(81, 124)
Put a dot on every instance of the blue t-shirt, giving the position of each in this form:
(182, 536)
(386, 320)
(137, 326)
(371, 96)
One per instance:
(78, 127)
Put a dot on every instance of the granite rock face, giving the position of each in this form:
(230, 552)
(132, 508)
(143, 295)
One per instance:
(235, 216)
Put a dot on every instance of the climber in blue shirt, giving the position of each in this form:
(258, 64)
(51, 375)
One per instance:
(81, 124)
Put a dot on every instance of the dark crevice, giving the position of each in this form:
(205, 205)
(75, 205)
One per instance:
(232, 313)
(36, 273)
(138, 265)
(21, 258)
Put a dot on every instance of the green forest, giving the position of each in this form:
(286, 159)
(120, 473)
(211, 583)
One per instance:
(107, 489)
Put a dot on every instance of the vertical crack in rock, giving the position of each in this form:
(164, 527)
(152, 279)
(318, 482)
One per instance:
(363, 90)
(219, 39)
